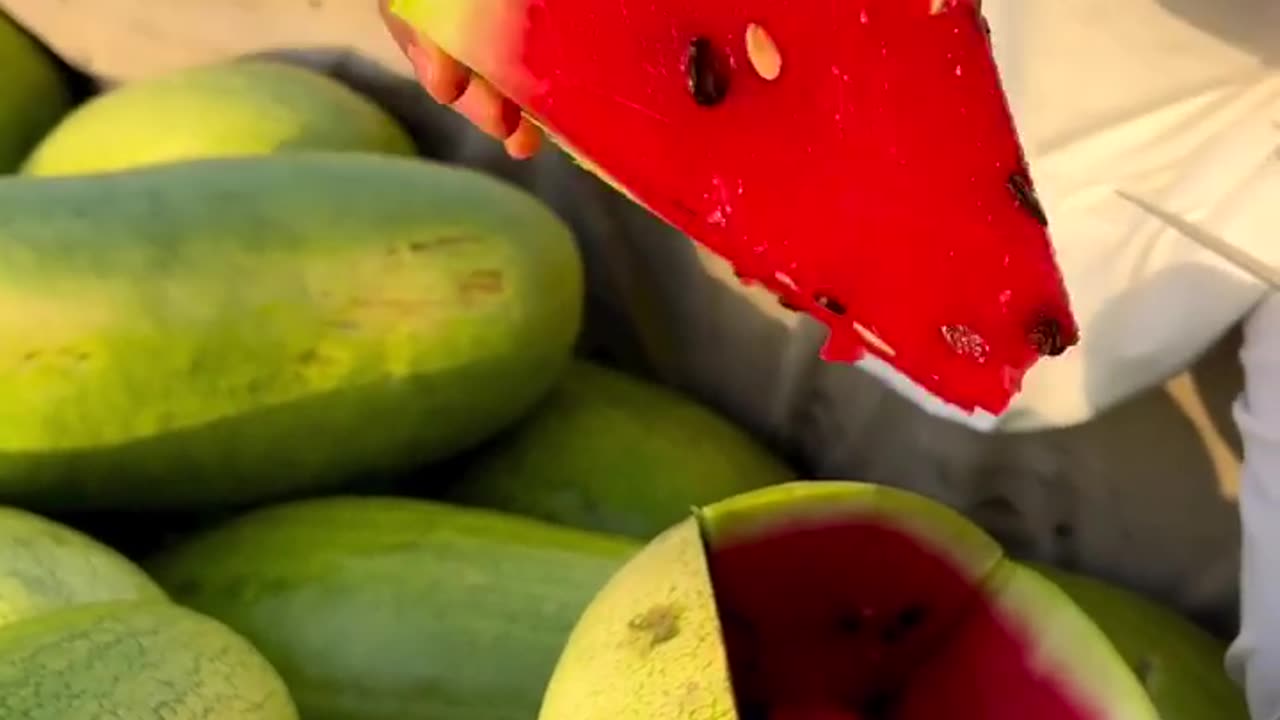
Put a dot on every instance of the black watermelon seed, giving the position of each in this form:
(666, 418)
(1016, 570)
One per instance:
(892, 634)
(878, 706)
(1020, 185)
(708, 79)
(910, 617)
(1045, 336)
(905, 621)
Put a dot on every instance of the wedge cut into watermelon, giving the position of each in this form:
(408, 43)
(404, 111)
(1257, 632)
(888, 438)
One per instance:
(857, 158)
(836, 601)
(883, 605)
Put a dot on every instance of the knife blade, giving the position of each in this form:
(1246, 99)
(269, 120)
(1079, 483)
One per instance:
(1214, 243)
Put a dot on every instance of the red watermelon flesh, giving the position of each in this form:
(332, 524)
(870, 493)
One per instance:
(876, 183)
(859, 621)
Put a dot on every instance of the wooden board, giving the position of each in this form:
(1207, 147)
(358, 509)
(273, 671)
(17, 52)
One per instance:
(124, 39)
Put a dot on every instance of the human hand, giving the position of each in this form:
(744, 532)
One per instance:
(451, 83)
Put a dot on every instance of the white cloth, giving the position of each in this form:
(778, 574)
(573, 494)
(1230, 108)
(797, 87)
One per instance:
(1255, 655)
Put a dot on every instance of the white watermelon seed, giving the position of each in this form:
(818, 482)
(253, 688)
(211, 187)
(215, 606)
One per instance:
(763, 53)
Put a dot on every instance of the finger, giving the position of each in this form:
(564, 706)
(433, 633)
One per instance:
(444, 78)
(525, 142)
(401, 33)
(488, 110)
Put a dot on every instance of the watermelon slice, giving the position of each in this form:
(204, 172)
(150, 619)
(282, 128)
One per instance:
(836, 601)
(874, 180)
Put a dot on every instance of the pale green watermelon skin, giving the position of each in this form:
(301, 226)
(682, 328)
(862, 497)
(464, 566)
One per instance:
(226, 109)
(609, 452)
(85, 634)
(134, 660)
(396, 608)
(357, 317)
(46, 566)
(1179, 664)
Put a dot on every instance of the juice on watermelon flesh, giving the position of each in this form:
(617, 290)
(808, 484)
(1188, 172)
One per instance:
(859, 621)
(876, 183)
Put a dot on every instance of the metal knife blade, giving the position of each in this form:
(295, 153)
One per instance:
(1210, 241)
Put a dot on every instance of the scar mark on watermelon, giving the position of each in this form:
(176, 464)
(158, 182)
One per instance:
(660, 622)
(480, 285)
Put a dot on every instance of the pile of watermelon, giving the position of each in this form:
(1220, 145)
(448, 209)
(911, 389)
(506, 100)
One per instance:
(295, 423)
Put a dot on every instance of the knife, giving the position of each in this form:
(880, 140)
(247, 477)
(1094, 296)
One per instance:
(1216, 244)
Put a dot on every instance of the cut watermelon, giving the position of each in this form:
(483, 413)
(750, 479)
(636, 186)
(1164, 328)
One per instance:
(836, 601)
(875, 179)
